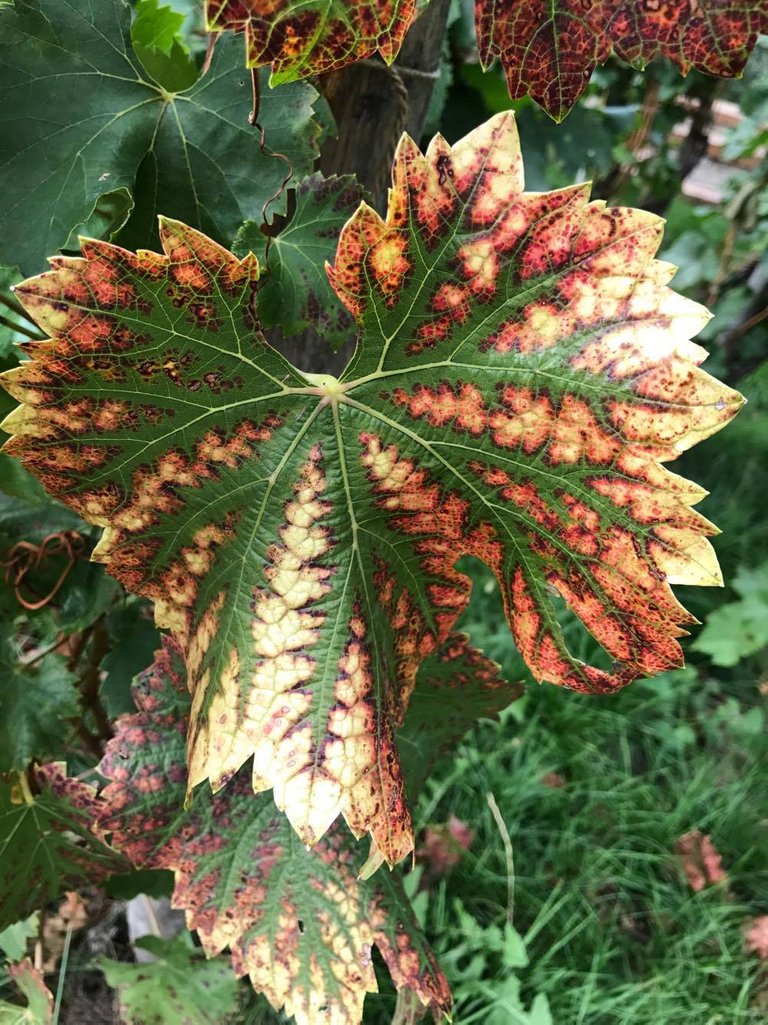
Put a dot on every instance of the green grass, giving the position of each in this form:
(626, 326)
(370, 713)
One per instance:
(614, 934)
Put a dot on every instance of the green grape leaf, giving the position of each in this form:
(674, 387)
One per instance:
(310, 37)
(549, 48)
(39, 1007)
(295, 293)
(457, 686)
(156, 37)
(48, 842)
(156, 27)
(179, 986)
(192, 155)
(10, 320)
(45, 551)
(522, 374)
(134, 639)
(734, 631)
(299, 923)
(36, 699)
(15, 938)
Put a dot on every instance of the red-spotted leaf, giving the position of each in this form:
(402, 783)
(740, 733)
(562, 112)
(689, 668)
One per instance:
(309, 37)
(299, 923)
(522, 373)
(48, 842)
(549, 48)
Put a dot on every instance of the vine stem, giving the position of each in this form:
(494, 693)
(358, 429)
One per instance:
(47, 651)
(505, 839)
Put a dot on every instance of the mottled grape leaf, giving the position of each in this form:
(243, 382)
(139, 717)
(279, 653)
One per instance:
(310, 37)
(35, 702)
(299, 923)
(522, 373)
(549, 48)
(194, 153)
(48, 842)
(457, 686)
(295, 292)
(180, 986)
(39, 999)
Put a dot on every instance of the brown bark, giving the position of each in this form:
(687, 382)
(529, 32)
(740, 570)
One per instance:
(374, 104)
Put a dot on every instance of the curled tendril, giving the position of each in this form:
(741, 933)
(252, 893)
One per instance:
(25, 557)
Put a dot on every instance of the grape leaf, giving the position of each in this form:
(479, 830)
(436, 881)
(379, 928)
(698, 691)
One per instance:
(39, 1008)
(35, 702)
(309, 37)
(156, 27)
(179, 986)
(299, 923)
(296, 293)
(457, 686)
(522, 373)
(549, 48)
(194, 153)
(14, 940)
(157, 40)
(48, 843)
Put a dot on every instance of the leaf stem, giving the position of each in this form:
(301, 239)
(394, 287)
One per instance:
(62, 975)
(21, 329)
(502, 827)
(47, 651)
(25, 788)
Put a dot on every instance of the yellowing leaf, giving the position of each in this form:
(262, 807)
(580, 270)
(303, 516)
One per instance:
(300, 924)
(522, 374)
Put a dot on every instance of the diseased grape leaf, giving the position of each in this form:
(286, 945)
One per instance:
(49, 843)
(194, 153)
(295, 292)
(522, 374)
(310, 37)
(299, 923)
(549, 48)
(35, 702)
(180, 986)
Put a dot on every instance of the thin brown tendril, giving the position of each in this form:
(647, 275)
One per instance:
(253, 119)
(212, 40)
(25, 556)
